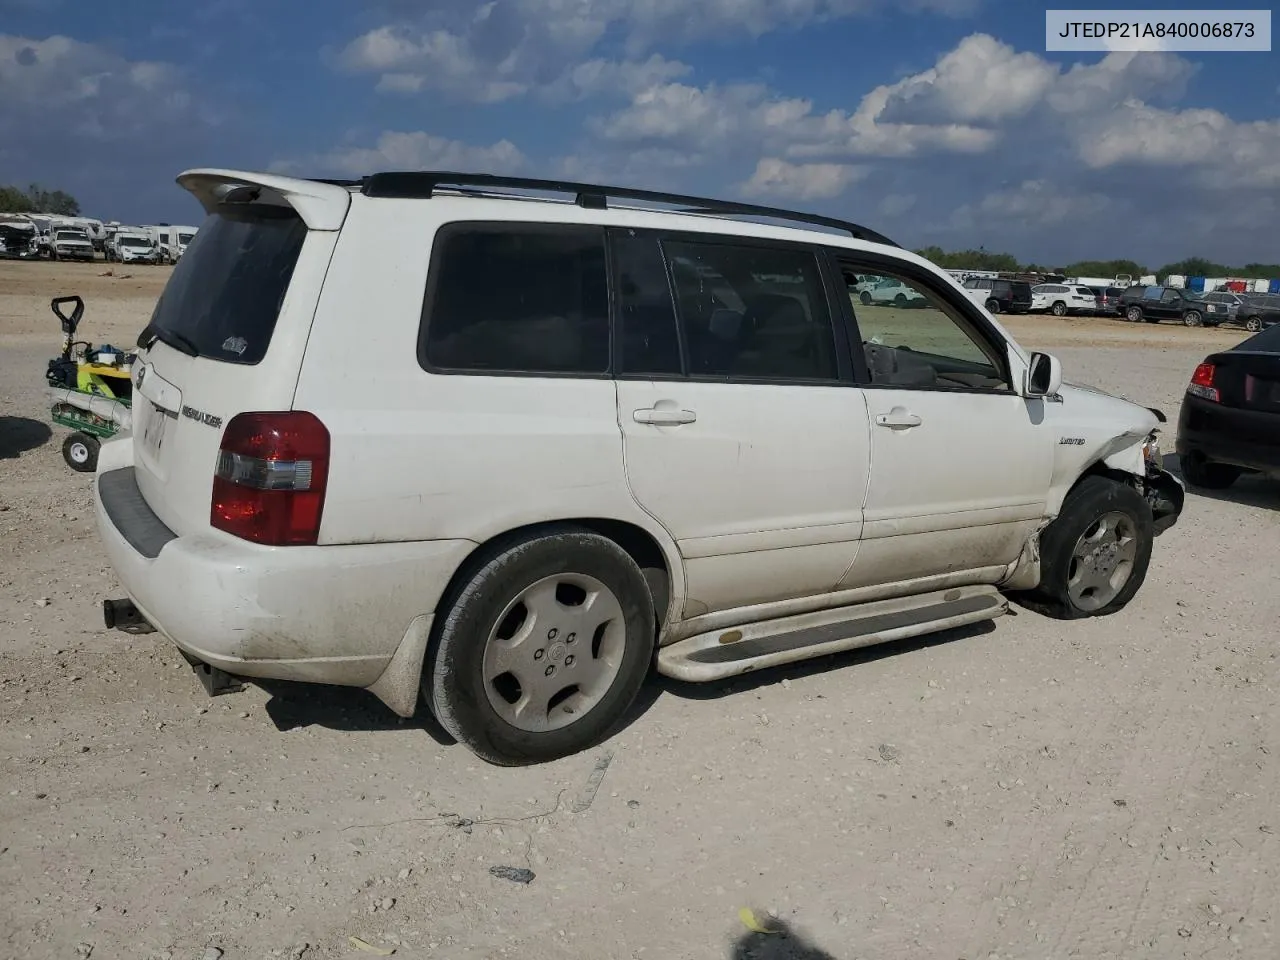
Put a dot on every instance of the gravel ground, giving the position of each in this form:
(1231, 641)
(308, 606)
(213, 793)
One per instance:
(1028, 789)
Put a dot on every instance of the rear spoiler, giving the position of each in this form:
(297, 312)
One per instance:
(322, 206)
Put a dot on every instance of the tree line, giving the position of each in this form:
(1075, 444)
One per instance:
(36, 199)
(1007, 262)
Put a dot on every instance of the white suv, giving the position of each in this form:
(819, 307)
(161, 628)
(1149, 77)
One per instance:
(1062, 298)
(447, 433)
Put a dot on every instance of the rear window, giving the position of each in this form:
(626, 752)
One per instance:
(224, 296)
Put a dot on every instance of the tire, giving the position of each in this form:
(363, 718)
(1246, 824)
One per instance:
(81, 452)
(900, 300)
(865, 297)
(1253, 324)
(1059, 309)
(1133, 314)
(1203, 473)
(1193, 318)
(993, 306)
(1091, 502)
(478, 702)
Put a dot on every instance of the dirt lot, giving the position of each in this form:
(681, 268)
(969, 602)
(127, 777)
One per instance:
(1037, 789)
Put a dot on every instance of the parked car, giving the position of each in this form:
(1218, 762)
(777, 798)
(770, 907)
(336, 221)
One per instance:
(1061, 299)
(1107, 300)
(889, 290)
(70, 245)
(1223, 303)
(1230, 419)
(565, 441)
(1167, 303)
(1259, 311)
(1003, 296)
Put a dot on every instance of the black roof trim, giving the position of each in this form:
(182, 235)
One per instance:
(421, 185)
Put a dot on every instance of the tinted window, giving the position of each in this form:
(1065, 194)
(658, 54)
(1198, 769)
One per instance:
(753, 312)
(922, 341)
(225, 294)
(517, 297)
(1170, 295)
(648, 340)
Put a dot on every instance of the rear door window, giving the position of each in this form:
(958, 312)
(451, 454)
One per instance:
(752, 312)
(225, 294)
(517, 298)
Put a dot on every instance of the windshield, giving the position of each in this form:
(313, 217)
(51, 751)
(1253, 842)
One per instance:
(226, 291)
(71, 235)
(134, 242)
(185, 237)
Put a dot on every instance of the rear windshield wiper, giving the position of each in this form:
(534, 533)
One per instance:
(170, 337)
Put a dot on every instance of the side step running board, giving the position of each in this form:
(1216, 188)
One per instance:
(729, 652)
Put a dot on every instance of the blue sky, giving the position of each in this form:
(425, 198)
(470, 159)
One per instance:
(934, 121)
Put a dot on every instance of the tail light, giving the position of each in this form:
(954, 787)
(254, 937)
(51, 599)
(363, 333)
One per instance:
(270, 479)
(1202, 383)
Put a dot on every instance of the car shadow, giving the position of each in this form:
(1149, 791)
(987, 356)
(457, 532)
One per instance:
(781, 943)
(293, 706)
(1251, 490)
(730, 686)
(20, 434)
(296, 705)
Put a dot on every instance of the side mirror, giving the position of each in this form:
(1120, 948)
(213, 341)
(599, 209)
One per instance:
(1044, 375)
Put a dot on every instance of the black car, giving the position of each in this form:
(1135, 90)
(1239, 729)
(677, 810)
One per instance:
(1259, 311)
(1230, 420)
(1154, 304)
(1003, 296)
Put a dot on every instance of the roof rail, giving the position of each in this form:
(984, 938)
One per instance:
(596, 197)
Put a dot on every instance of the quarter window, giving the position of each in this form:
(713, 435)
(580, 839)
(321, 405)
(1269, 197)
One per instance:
(521, 298)
(752, 312)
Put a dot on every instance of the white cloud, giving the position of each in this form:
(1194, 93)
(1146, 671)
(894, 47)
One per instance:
(1034, 203)
(85, 88)
(800, 181)
(415, 150)
(503, 49)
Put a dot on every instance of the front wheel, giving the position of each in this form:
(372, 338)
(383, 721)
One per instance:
(1094, 555)
(1133, 314)
(544, 649)
(865, 297)
(81, 452)
(1192, 318)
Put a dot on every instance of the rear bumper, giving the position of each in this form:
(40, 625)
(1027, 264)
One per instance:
(1242, 438)
(327, 614)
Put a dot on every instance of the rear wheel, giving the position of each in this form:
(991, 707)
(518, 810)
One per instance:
(81, 452)
(1204, 473)
(1094, 555)
(544, 649)
(1059, 309)
(865, 297)
(1253, 324)
(993, 305)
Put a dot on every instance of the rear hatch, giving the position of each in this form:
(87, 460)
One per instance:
(228, 333)
(1020, 293)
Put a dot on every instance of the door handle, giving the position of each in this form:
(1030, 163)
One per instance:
(898, 419)
(664, 416)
